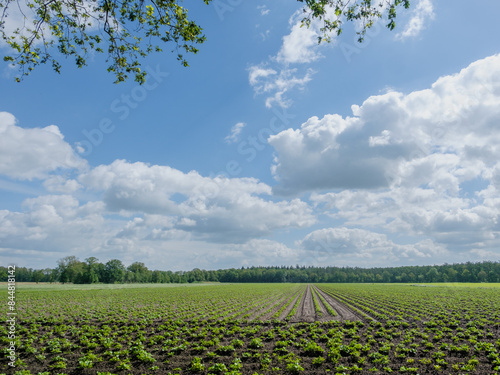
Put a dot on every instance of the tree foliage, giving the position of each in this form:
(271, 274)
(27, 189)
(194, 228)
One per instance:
(333, 14)
(126, 31)
(71, 270)
(114, 271)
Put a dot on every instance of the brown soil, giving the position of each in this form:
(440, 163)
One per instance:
(275, 309)
(305, 312)
(180, 362)
(194, 335)
(254, 311)
(285, 312)
(325, 315)
(277, 301)
(344, 312)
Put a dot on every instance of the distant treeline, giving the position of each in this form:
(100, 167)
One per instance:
(90, 271)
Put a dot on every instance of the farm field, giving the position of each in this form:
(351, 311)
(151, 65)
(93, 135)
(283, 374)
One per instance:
(256, 329)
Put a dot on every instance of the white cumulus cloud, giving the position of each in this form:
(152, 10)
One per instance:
(423, 12)
(301, 45)
(276, 86)
(235, 133)
(394, 136)
(32, 153)
(215, 209)
(423, 164)
(352, 245)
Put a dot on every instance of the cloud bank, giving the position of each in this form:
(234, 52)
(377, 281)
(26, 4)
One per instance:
(423, 164)
(407, 179)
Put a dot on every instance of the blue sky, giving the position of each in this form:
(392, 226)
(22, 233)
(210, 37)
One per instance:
(267, 150)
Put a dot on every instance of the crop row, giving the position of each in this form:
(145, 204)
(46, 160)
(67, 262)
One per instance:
(219, 329)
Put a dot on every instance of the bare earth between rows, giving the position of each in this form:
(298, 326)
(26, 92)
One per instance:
(306, 311)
